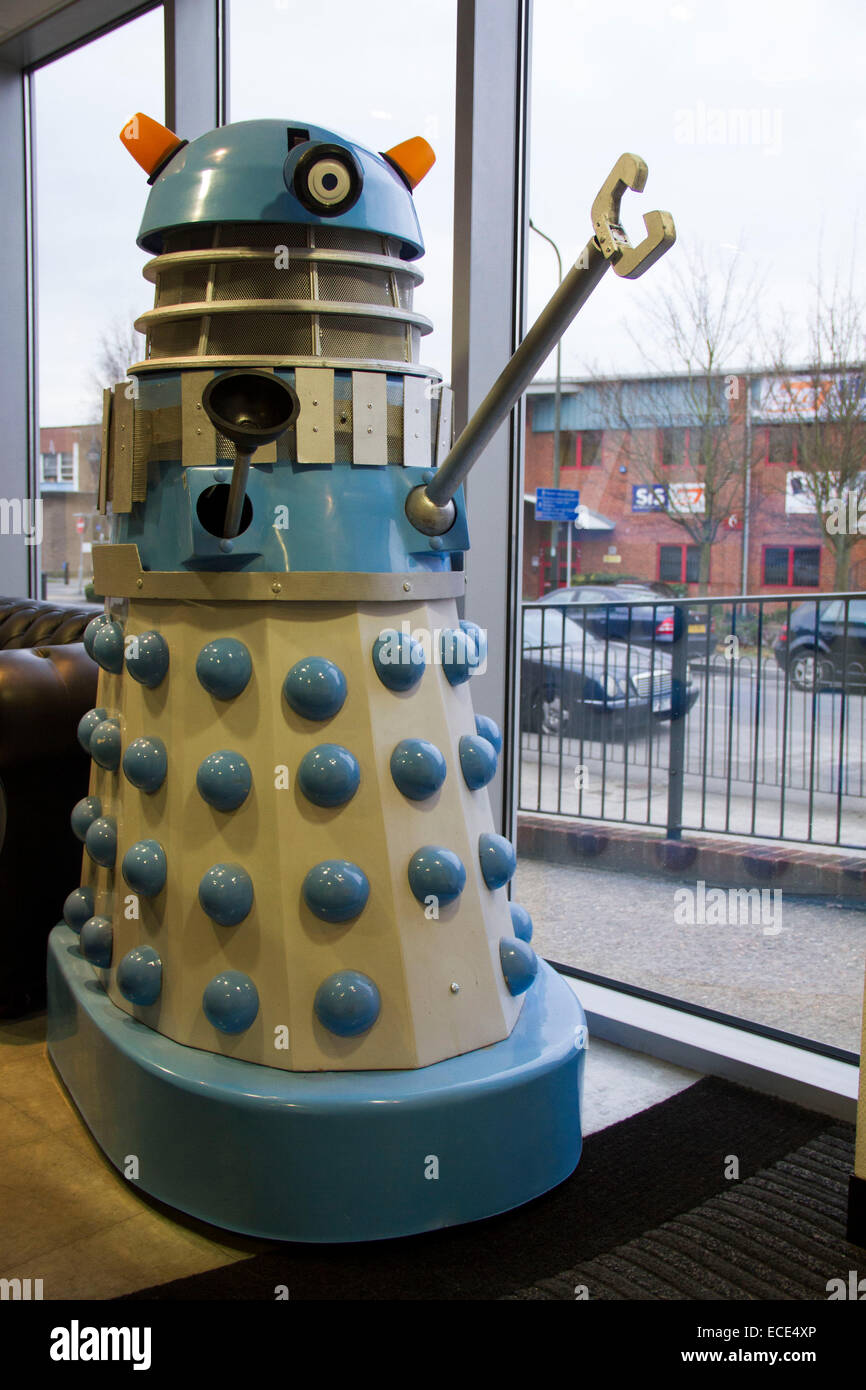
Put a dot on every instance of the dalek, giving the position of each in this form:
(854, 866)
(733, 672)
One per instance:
(291, 995)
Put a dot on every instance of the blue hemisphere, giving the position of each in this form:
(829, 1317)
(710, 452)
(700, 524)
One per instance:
(226, 894)
(478, 636)
(86, 725)
(101, 841)
(315, 688)
(477, 761)
(91, 630)
(336, 890)
(521, 921)
(145, 763)
(329, 775)
(458, 654)
(519, 964)
(224, 667)
(398, 660)
(78, 907)
(498, 860)
(105, 745)
(108, 647)
(97, 941)
(436, 872)
(147, 663)
(347, 1003)
(224, 780)
(144, 867)
(230, 1001)
(488, 728)
(84, 813)
(139, 976)
(418, 768)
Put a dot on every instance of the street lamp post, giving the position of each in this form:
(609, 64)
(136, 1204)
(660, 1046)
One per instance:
(557, 415)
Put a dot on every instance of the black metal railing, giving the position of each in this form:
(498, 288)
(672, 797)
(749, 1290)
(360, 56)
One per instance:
(739, 716)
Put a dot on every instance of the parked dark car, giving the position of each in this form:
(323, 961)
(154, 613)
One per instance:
(636, 613)
(822, 652)
(575, 683)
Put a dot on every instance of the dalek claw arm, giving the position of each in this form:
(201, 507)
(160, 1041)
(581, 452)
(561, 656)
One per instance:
(430, 508)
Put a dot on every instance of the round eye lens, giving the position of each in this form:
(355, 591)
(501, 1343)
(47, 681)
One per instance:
(329, 182)
(327, 179)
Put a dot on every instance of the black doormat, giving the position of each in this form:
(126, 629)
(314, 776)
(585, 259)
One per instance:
(634, 1177)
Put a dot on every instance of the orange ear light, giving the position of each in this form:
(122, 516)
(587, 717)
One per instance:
(149, 143)
(414, 158)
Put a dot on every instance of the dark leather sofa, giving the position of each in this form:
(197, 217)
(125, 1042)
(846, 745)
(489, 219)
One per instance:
(47, 681)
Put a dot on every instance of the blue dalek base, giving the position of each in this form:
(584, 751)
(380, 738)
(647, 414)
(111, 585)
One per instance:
(290, 985)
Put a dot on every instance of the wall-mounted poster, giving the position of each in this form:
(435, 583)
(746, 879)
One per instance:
(649, 497)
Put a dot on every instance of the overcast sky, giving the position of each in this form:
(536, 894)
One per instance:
(751, 117)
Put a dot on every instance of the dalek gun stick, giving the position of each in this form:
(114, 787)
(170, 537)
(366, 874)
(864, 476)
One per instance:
(430, 508)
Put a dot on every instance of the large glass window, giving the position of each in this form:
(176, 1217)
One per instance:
(377, 74)
(89, 199)
(712, 363)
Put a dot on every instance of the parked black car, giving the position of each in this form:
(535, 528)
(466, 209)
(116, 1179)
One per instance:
(573, 682)
(636, 613)
(824, 651)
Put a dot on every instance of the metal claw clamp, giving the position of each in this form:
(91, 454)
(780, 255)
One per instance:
(431, 509)
(630, 171)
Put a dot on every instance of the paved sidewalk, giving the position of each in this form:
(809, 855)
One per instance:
(806, 980)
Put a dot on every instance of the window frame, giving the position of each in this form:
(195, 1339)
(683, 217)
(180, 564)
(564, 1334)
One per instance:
(779, 463)
(685, 548)
(790, 548)
(196, 91)
(661, 431)
(60, 483)
(580, 439)
(493, 46)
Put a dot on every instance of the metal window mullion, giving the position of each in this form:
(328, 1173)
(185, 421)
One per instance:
(18, 381)
(489, 292)
(196, 65)
(33, 558)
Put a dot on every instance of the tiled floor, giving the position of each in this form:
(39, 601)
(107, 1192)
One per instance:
(67, 1216)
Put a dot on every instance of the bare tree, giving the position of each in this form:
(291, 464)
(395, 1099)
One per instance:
(679, 424)
(119, 345)
(823, 405)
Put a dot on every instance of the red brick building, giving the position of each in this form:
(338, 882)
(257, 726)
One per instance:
(68, 485)
(627, 447)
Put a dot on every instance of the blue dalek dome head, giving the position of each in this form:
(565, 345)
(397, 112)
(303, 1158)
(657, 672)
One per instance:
(272, 171)
(282, 410)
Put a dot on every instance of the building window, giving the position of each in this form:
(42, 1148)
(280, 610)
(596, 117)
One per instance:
(59, 470)
(679, 564)
(671, 446)
(568, 447)
(589, 448)
(792, 566)
(781, 445)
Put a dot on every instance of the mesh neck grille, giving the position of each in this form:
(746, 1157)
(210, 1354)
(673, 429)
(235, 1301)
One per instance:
(282, 293)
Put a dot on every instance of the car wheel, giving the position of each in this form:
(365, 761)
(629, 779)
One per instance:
(808, 671)
(552, 716)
